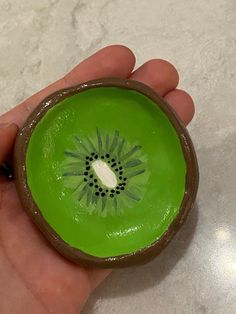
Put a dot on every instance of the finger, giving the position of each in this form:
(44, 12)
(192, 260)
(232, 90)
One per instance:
(114, 60)
(182, 103)
(158, 74)
(7, 138)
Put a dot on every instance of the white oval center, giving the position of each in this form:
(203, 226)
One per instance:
(105, 174)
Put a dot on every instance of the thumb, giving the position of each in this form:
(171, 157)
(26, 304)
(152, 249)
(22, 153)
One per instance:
(8, 133)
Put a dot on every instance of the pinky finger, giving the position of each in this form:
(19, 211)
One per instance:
(182, 103)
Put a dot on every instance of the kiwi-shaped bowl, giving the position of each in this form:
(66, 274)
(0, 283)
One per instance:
(106, 171)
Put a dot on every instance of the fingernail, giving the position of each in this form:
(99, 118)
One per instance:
(5, 125)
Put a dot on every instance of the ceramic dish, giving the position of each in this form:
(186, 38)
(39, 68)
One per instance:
(106, 171)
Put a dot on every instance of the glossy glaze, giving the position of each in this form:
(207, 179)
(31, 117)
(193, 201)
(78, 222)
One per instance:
(139, 121)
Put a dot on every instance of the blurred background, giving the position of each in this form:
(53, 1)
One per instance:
(41, 40)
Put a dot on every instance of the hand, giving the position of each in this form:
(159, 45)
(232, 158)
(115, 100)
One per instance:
(34, 277)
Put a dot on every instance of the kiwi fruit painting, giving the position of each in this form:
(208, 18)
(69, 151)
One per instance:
(102, 171)
(106, 171)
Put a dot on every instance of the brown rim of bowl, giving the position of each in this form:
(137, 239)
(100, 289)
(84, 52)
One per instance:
(73, 254)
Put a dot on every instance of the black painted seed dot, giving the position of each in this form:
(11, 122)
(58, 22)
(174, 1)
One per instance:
(120, 168)
(113, 191)
(117, 187)
(102, 157)
(96, 156)
(113, 160)
(96, 186)
(100, 189)
(103, 194)
(106, 190)
(87, 168)
(91, 158)
(85, 179)
(120, 178)
(91, 184)
(111, 195)
(91, 176)
(125, 179)
(119, 162)
(87, 157)
(122, 188)
(87, 163)
(95, 180)
(124, 184)
(85, 173)
(108, 161)
(107, 155)
(121, 172)
(120, 184)
(97, 193)
(116, 169)
(113, 165)
(93, 154)
(117, 192)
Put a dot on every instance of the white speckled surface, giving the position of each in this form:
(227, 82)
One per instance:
(41, 40)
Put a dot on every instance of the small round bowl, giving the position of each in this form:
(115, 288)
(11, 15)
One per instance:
(106, 171)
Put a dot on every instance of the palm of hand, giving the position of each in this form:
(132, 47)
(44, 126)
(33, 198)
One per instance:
(38, 279)
(48, 280)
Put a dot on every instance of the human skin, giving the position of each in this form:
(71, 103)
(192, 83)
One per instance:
(34, 277)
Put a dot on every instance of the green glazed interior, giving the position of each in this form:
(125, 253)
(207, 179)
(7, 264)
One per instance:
(141, 122)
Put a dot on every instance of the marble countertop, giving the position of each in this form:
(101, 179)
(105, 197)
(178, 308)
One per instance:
(41, 40)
